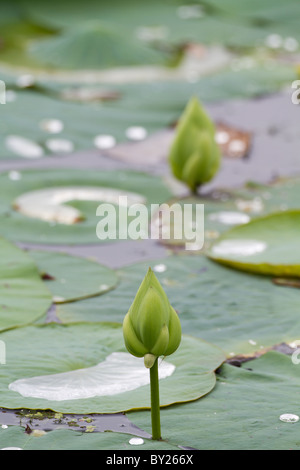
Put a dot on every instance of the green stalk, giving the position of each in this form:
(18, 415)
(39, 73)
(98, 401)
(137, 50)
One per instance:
(155, 409)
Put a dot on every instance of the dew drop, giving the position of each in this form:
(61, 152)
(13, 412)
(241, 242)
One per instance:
(58, 299)
(160, 268)
(60, 145)
(252, 342)
(290, 44)
(230, 218)
(154, 33)
(11, 448)
(274, 41)
(187, 12)
(136, 133)
(14, 175)
(104, 141)
(103, 287)
(25, 81)
(289, 418)
(24, 147)
(136, 441)
(239, 247)
(10, 96)
(53, 126)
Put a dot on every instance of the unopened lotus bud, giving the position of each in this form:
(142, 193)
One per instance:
(194, 155)
(151, 328)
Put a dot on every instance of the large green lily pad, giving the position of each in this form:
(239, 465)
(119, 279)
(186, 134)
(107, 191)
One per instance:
(64, 439)
(214, 302)
(225, 209)
(63, 276)
(152, 105)
(24, 296)
(62, 356)
(93, 45)
(16, 226)
(268, 245)
(242, 412)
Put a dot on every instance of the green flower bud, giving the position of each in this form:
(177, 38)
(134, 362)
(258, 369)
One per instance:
(194, 155)
(151, 328)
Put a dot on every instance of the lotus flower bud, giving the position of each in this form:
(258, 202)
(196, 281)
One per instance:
(151, 328)
(194, 155)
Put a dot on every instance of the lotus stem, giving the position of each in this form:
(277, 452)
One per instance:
(155, 407)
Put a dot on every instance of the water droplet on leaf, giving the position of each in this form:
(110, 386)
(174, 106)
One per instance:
(239, 247)
(160, 268)
(104, 141)
(289, 418)
(23, 147)
(60, 145)
(136, 441)
(230, 218)
(53, 126)
(136, 133)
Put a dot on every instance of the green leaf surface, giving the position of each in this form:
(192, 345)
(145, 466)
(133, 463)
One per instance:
(268, 245)
(242, 412)
(62, 439)
(75, 440)
(19, 227)
(230, 22)
(93, 45)
(24, 296)
(227, 208)
(214, 302)
(70, 278)
(152, 105)
(39, 351)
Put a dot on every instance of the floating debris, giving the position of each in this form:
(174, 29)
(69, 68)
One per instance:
(254, 205)
(90, 94)
(234, 143)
